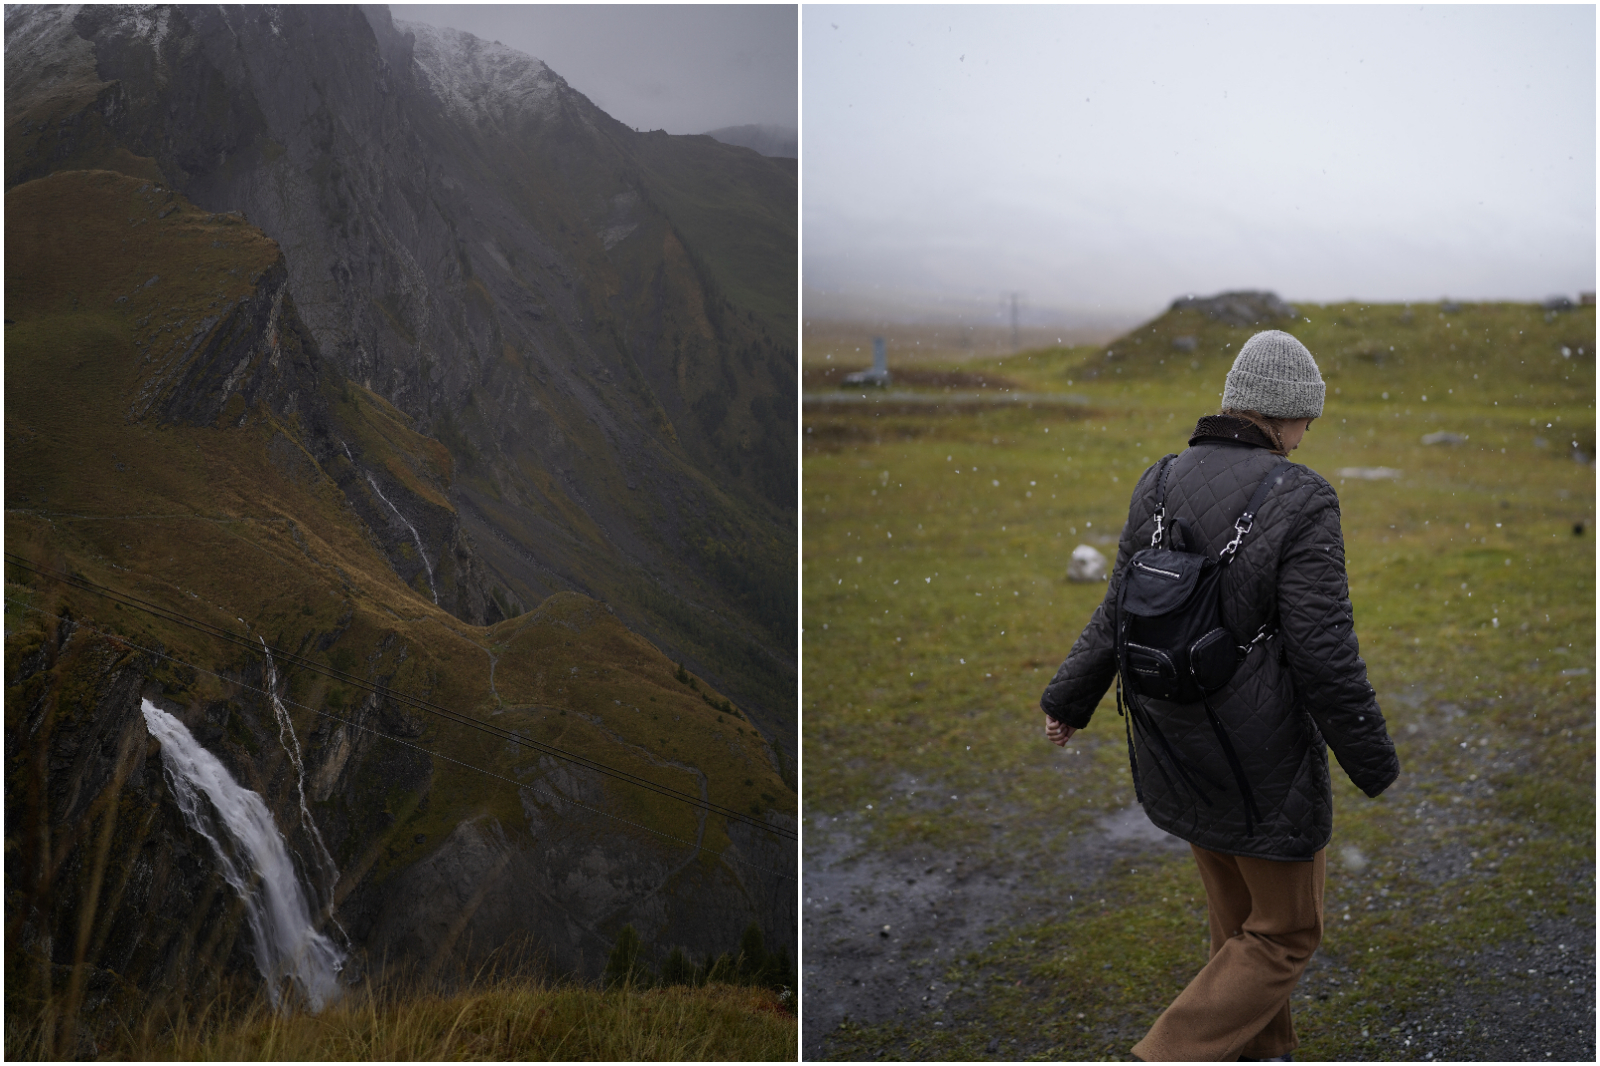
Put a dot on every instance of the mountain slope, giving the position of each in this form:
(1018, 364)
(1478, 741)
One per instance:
(597, 324)
(175, 434)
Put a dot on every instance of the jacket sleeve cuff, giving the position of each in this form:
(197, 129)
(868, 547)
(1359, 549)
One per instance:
(1374, 786)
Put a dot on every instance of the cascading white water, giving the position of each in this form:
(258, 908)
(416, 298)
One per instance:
(291, 747)
(414, 536)
(255, 861)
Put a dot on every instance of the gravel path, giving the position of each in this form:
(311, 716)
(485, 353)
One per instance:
(1534, 1000)
(880, 929)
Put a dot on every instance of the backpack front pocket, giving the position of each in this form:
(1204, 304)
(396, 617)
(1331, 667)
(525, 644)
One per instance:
(1214, 659)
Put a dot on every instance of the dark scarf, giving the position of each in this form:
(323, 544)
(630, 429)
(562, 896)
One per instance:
(1226, 429)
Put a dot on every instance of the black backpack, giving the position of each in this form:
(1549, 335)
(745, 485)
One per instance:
(1171, 642)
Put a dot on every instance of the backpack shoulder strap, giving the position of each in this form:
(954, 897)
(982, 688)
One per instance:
(1241, 525)
(1161, 498)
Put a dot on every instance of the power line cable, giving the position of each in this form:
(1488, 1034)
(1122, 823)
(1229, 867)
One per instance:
(383, 692)
(378, 732)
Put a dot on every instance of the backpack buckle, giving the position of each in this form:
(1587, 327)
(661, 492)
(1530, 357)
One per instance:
(1264, 633)
(1155, 538)
(1241, 526)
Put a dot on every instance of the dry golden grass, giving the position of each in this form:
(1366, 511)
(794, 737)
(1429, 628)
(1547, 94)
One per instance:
(499, 1019)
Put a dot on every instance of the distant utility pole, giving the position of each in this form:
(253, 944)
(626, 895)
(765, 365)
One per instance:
(1016, 342)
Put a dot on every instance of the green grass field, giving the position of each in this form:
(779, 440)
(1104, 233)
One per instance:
(936, 607)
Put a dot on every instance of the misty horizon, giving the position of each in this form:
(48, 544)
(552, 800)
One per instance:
(1105, 161)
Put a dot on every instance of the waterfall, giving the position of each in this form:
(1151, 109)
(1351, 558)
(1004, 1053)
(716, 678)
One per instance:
(414, 536)
(291, 746)
(255, 861)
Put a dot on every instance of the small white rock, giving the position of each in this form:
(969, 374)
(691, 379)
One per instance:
(1087, 565)
(1368, 473)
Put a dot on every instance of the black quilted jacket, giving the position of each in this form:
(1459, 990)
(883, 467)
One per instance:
(1296, 694)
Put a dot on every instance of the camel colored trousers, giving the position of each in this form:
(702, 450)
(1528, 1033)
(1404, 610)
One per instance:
(1266, 920)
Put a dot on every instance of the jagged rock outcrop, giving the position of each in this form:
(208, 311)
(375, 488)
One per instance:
(109, 897)
(114, 899)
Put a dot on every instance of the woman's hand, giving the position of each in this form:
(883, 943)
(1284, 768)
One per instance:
(1058, 733)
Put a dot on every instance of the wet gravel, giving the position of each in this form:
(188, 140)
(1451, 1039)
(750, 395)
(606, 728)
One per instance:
(1528, 997)
(879, 929)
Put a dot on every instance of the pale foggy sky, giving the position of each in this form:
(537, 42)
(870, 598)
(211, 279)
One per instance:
(681, 68)
(1114, 157)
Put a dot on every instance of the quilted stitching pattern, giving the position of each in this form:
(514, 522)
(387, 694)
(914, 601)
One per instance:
(1297, 694)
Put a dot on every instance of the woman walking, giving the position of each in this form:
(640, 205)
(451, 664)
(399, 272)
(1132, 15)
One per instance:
(1228, 737)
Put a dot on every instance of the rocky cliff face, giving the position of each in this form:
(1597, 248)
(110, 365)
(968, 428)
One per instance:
(175, 434)
(597, 324)
(113, 899)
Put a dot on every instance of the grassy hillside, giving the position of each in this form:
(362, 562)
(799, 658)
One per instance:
(937, 607)
(241, 524)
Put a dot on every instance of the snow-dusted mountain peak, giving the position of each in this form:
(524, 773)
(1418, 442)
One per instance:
(480, 79)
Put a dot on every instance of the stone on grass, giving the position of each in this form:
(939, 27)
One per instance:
(1368, 473)
(1087, 565)
(1444, 436)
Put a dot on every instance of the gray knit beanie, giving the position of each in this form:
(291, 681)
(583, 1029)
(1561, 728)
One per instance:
(1275, 375)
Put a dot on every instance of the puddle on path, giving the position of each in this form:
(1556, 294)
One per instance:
(934, 907)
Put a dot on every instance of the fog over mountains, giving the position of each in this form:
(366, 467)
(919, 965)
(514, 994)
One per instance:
(683, 68)
(768, 140)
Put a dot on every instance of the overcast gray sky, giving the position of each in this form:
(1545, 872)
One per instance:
(681, 68)
(1114, 157)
